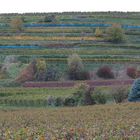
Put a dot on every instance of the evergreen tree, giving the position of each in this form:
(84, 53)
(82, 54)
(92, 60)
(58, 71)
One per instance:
(134, 95)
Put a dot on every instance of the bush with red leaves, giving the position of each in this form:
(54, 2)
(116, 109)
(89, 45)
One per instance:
(131, 72)
(27, 74)
(105, 72)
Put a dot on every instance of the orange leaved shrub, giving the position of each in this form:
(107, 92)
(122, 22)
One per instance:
(27, 74)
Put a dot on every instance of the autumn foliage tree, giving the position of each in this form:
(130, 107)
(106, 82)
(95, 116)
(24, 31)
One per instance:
(131, 72)
(27, 74)
(17, 24)
(105, 72)
(41, 70)
(98, 32)
(76, 69)
(35, 70)
(75, 66)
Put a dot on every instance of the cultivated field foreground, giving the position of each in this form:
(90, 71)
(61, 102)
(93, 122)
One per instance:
(99, 122)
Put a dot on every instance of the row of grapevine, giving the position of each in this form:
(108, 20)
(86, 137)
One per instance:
(71, 83)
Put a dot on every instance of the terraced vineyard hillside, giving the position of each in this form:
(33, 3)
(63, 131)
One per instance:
(54, 65)
(68, 33)
(71, 33)
(53, 37)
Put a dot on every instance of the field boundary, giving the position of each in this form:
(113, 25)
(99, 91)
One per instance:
(66, 84)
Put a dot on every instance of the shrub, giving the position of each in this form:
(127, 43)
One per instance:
(59, 101)
(131, 72)
(98, 32)
(3, 74)
(1, 65)
(28, 73)
(134, 94)
(115, 34)
(75, 67)
(99, 97)
(69, 101)
(82, 75)
(9, 83)
(138, 72)
(52, 74)
(24, 59)
(105, 72)
(75, 63)
(49, 18)
(120, 93)
(51, 101)
(83, 95)
(10, 59)
(79, 95)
